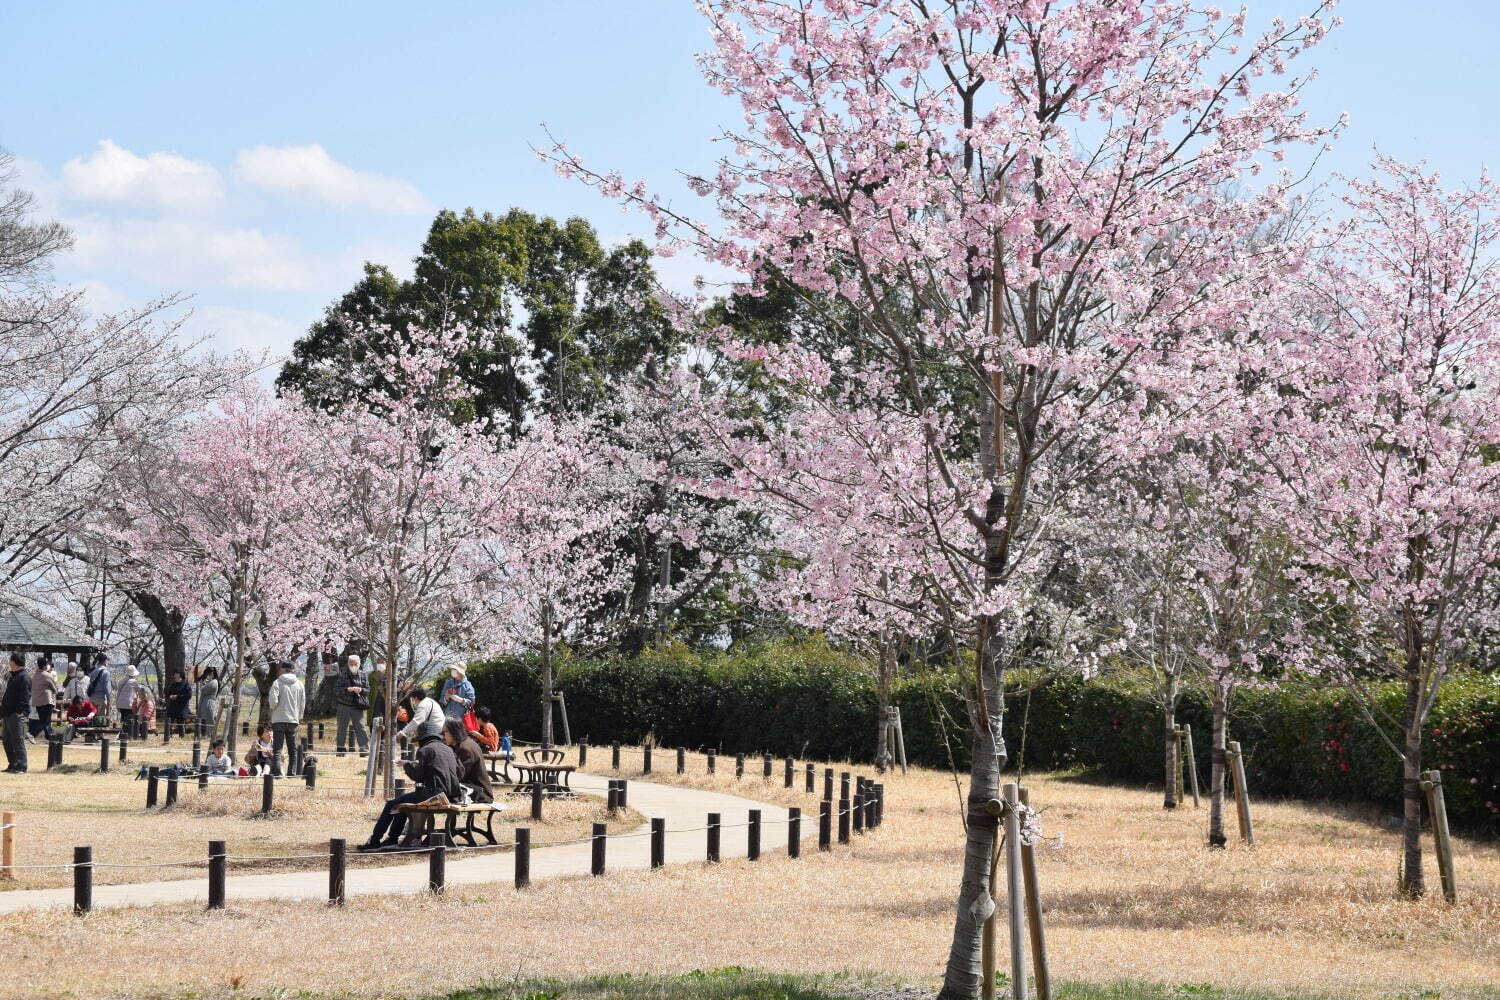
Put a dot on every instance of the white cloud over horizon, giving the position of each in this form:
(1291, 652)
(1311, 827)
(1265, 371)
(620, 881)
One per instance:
(310, 171)
(115, 175)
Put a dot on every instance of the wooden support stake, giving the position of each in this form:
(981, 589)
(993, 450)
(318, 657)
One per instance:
(8, 846)
(1432, 784)
(1015, 894)
(1242, 794)
(124, 747)
(337, 856)
(218, 864)
(1040, 971)
(613, 799)
(765, 771)
(1192, 763)
(1181, 764)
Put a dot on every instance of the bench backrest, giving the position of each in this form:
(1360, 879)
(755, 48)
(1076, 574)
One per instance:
(544, 756)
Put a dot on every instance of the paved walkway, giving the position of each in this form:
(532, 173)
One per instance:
(685, 810)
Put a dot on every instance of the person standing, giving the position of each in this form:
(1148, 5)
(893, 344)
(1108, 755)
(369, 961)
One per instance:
(15, 706)
(77, 684)
(179, 697)
(44, 691)
(208, 698)
(458, 693)
(126, 697)
(287, 700)
(350, 706)
(101, 688)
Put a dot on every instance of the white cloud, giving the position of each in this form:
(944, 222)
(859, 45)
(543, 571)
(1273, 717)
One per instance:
(310, 171)
(187, 253)
(231, 329)
(115, 174)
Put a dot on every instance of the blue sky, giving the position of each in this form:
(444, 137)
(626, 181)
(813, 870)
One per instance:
(252, 156)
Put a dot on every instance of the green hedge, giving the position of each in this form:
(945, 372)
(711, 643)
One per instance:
(808, 700)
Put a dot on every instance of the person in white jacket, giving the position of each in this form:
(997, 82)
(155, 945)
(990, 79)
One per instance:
(287, 700)
(424, 708)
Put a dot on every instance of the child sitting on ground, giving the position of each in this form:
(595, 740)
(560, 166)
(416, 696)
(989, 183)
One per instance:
(260, 756)
(218, 761)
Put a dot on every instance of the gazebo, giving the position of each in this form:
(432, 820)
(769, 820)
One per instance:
(24, 629)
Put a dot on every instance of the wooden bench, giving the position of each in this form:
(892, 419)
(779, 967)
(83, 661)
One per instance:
(91, 734)
(421, 818)
(545, 767)
(494, 758)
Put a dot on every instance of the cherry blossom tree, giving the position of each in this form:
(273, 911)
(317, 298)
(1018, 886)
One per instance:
(1026, 200)
(227, 517)
(1388, 480)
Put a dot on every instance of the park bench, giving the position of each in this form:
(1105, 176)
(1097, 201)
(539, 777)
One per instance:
(421, 819)
(91, 734)
(499, 763)
(544, 767)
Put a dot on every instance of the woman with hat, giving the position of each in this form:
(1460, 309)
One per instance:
(126, 697)
(458, 693)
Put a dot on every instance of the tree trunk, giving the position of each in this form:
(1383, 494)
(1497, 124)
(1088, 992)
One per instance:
(1169, 742)
(961, 979)
(1413, 885)
(168, 623)
(546, 674)
(1220, 759)
(239, 680)
(883, 670)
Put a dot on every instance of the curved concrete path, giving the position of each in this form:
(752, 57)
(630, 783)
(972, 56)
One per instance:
(685, 810)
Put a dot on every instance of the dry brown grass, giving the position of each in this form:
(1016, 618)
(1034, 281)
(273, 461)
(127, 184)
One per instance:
(76, 805)
(1132, 894)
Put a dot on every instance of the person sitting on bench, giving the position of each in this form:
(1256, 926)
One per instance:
(80, 713)
(487, 735)
(435, 771)
(470, 756)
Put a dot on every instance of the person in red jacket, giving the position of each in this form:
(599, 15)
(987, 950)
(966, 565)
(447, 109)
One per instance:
(81, 712)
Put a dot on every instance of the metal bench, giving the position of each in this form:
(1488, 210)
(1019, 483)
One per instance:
(421, 819)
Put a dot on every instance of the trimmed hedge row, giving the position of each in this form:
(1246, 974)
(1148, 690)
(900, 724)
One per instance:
(808, 700)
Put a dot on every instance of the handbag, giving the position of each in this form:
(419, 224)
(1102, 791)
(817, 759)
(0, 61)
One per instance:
(471, 722)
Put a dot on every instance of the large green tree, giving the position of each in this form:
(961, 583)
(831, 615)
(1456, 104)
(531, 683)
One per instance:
(568, 316)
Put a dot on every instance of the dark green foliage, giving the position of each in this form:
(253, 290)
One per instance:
(809, 700)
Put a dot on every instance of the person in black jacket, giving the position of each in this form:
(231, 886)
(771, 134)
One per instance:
(470, 761)
(15, 706)
(351, 702)
(435, 771)
(179, 696)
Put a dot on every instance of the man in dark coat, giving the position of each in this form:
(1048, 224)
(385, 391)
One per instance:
(470, 756)
(434, 768)
(15, 706)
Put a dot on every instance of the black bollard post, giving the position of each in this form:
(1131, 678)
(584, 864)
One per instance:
(166, 733)
(857, 816)
(596, 866)
(104, 755)
(843, 784)
(812, 778)
(54, 751)
(321, 735)
(267, 793)
(713, 837)
(217, 866)
(337, 847)
(828, 784)
(752, 836)
(151, 781)
(646, 765)
(739, 766)
(523, 857)
(536, 801)
(794, 832)
(437, 862)
(310, 772)
(197, 754)
(172, 789)
(870, 805)
(203, 778)
(245, 728)
(583, 753)
(825, 825)
(658, 842)
(624, 793)
(614, 798)
(765, 765)
(614, 755)
(681, 761)
(843, 821)
(124, 747)
(791, 772)
(83, 879)
(713, 762)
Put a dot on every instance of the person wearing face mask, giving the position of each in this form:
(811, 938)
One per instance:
(458, 694)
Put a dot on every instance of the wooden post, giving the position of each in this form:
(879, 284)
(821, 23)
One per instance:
(900, 738)
(337, 848)
(172, 790)
(646, 754)
(1015, 901)
(1192, 763)
(197, 754)
(879, 803)
(8, 846)
(825, 825)
(1181, 764)
(857, 814)
(310, 772)
(612, 799)
(1241, 793)
(681, 761)
(752, 836)
(536, 801)
(739, 766)
(765, 760)
(1432, 784)
(869, 805)
(124, 747)
(713, 762)
(523, 857)
(827, 784)
(217, 867)
(812, 779)
(267, 793)
(202, 779)
(151, 781)
(1039, 969)
(791, 772)
(658, 842)
(614, 755)
(103, 754)
(583, 753)
(624, 794)
(83, 879)
(596, 866)
(843, 784)
(794, 832)
(843, 821)
(713, 837)
(437, 862)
